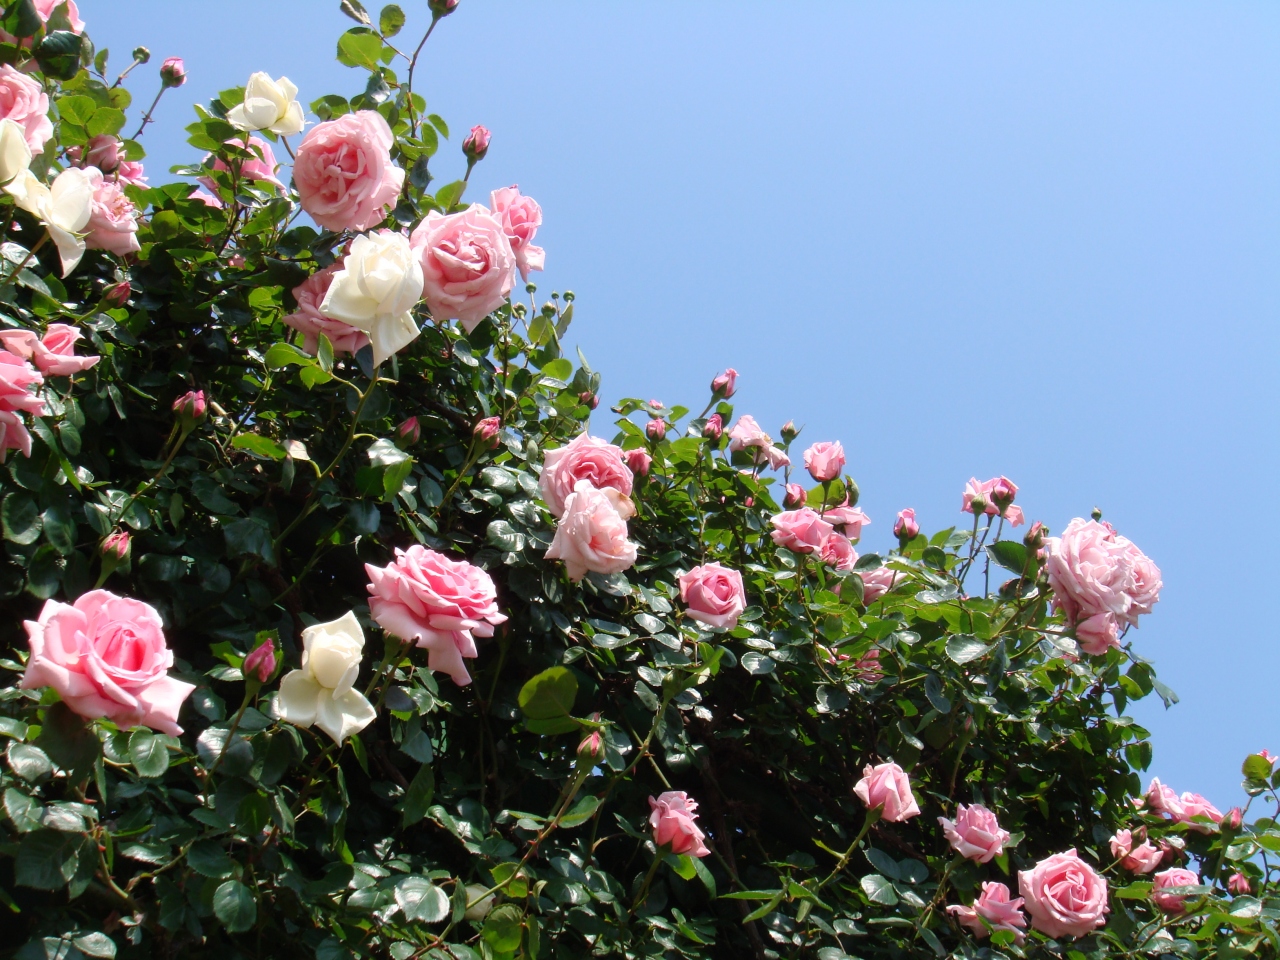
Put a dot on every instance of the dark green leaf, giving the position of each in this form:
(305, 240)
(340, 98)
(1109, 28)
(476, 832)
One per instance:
(234, 905)
(1009, 554)
(963, 648)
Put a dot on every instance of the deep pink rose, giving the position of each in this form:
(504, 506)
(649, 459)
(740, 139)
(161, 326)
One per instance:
(344, 174)
(592, 533)
(261, 166)
(975, 833)
(1239, 885)
(837, 552)
(24, 101)
(582, 458)
(824, 461)
(638, 461)
(1140, 859)
(520, 217)
(191, 407)
(54, 353)
(1094, 571)
(113, 224)
(848, 520)
(441, 604)
(107, 658)
(310, 322)
(713, 595)
(906, 527)
(671, 816)
(261, 662)
(887, 786)
(1173, 877)
(725, 385)
(1064, 895)
(800, 531)
(867, 669)
(997, 909)
(17, 377)
(410, 431)
(116, 545)
(467, 264)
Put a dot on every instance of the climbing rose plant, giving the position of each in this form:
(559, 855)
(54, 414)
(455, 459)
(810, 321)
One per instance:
(341, 623)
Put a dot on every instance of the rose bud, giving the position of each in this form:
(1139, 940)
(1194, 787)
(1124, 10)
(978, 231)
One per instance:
(1003, 490)
(978, 505)
(714, 427)
(789, 431)
(1239, 884)
(591, 749)
(173, 72)
(487, 429)
(117, 295)
(1096, 513)
(116, 546)
(905, 527)
(476, 145)
(589, 399)
(260, 663)
(191, 408)
(725, 385)
(656, 429)
(1233, 818)
(442, 8)
(795, 496)
(638, 461)
(141, 54)
(1034, 538)
(409, 432)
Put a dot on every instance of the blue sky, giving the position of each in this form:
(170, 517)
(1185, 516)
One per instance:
(963, 239)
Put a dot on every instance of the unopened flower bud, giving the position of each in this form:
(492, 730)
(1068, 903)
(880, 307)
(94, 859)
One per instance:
(409, 432)
(978, 505)
(749, 502)
(191, 408)
(1002, 493)
(173, 72)
(117, 295)
(442, 8)
(1096, 513)
(905, 527)
(1034, 538)
(591, 750)
(487, 429)
(476, 145)
(638, 461)
(141, 54)
(1171, 848)
(790, 431)
(656, 429)
(588, 399)
(1233, 818)
(725, 385)
(714, 427)
(794, 497)
(851, 493)
(261, 662)
(116, 546)
(1239, 884)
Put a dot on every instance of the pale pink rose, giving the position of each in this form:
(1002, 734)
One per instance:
(824, 461)
(24, 101)
(1092, 570)
(876, 583)
(44, 9)
(997, 909)
(887, 787)
(1268, 756)
(205, 197)
(1140, 859)
(1173, 877)
(1097, 634)
(310, 322)
(713, 595)
(102, 151)
(520, 217)
(592, 533)
(725, 385)
(1239, 885)
(54, 353)
(130, 173)
(837, 552)
(776, 457)
(441, 604)
(1064, 895)
(638, 462)
(467, 264)
(794, 496)
(975, 833)
(994, 497)
(656, 429)
(17, 377)
(13, 435)
(906, 527)
(113, 224)
(583, 458)
(260, 167)
(107, 658)
(671, 816)
(1163, 800)
(848, 520)
(344, 174)
(747, 435)
(800, 531)
(1194, 805)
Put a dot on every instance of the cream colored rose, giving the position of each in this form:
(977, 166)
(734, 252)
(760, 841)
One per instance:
(64, 207)
(15, 155)
(375, 291)
(268, 105)
(322, 691)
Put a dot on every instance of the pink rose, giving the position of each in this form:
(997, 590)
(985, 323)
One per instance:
(130, 173)
(44, 10)
(173, 72)
(993, 497)
(1093, 571)
(997, 909)
(824, 461)
(310, 322)
(487, 430)
(886, 787)
(592, 533)
(476, 143)
(17, 377)
(725, 385)
(672, 816)
(410, 431)
(656, 429)
(441, 604)
(800, 531)
(1268, 756)
(1239, 884)
(975, 833)
(261, 166)
(102, 151)
(13, 435)
(1194, 805)
(107, 658)
(205, 197)
(837, 552)
(747, 435)
(794, 496)
(638, 462)
(467, 264)
(520, 217)
(1064, 895)
(54, 353)
(261, 662)
(714, 427)
(905, 527)
(867, 669)
(849, 520)
(1097, 634)
(1140, 859)
(344, 174)
(113, 224)
(1162, 799)
(713, 595)
(191, 407)
(24, 101)
(1173, 877)
(583, 458)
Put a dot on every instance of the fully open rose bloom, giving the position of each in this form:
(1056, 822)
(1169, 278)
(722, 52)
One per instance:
(322, 692)
(17, 377)
(887, 787)
(64, 207)
(713, 595)
(107, 658)
(15, 154)
(520, 217)
(671, 816)
(800, 531)
(54, 353)
(113, 223)
(592, 534)
(467, 264)
(344, 174)
(441, 604)
(824, 461)
(1140, 859)
(1173, 877)
(24, 101)
(997, 908)
(876, 583)
(311, 323)
(975, 833)
(1064, 895)
(996, 499)
(268, 105)
(376, 290)
(837, 552)
(848, 520)
(747, 435)
(583, 458)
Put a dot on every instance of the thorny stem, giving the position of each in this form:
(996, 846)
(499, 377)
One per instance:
(146, 117)
(873, 815)
(413, 65)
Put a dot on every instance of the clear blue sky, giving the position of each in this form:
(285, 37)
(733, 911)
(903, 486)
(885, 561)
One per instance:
(964, 239)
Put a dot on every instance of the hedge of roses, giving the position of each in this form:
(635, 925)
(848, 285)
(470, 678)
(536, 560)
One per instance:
(343, 624)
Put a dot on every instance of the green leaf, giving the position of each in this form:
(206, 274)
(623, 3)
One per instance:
(77, 108)
(28, 761)
(422, 900)
(24, 811)
(105, 120)
(878, 889)
(583, 811)
(58, 54)
(95, 945)
(1009, 554)
(384, 453)
(502, 929)
(450, 193)
(148, 754)
(1135, 891)
(249, 536)
(963, 648)
(546, 701)
(283, 354)
(757, 663)
(559, 369)
(259, 446)
(683, 866)
(417, 799)
(20, 519)
(22, 19)
(391, 20)
(234, 905)
(207, 858)
(356, 11)
(1166, 694)
(503, 536)
(47, 859)
(360, 47)
(1256, 767)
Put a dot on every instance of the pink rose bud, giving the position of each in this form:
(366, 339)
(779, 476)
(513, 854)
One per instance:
(409, 431)
(191, 408)
(487, 429)
(1239, 884)
(789, 431)
(117, 295)
(1173, 877)
(173, 72)
(794, 497)
(589, 399)
(103, 152)
(1034, 538)
(713, 427)
(638, 461)
(978, 504)
(116, 546)
(886, 787)
(824, 461)
(1233, 818)
(1002, 492)
(591, 749)
(442, 8)
(671, 816)
(656, 429)
(905, 527)
(975, 833)
(476, 145)
(1266, 755)
(725, 385)
(655, 404)
(261, 662)
(750, 502)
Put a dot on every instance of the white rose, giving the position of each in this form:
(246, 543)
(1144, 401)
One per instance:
(375, 291)
(321, 692)
(268, 105)
(64, 207)
(592, 534)
(15, 155)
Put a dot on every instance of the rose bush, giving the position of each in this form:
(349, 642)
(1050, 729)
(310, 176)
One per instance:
(341, 627)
